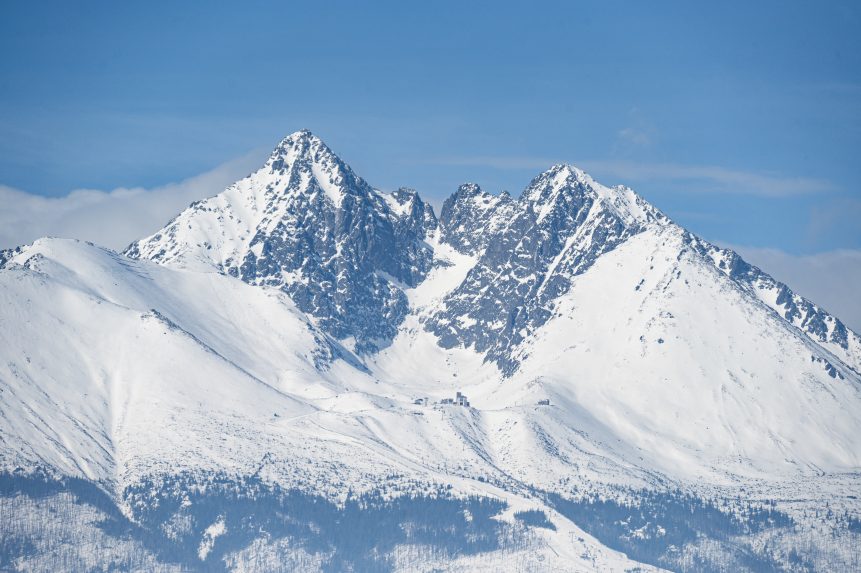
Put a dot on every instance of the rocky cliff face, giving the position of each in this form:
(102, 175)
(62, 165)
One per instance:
(306, 223)
(529, 250)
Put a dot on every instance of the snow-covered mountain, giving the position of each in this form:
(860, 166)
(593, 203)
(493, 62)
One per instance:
(269, 375)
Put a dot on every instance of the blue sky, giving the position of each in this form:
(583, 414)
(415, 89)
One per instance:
(740, 120)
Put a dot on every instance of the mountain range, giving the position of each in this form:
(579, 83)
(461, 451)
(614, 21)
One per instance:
(278, 379)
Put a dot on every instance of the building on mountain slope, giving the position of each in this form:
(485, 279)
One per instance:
(460, 399)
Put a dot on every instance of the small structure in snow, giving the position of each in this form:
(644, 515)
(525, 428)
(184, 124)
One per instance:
(544, 402)
(421, 402)
(461, 400)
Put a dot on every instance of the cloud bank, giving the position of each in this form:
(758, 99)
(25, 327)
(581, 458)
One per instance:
(110, 218)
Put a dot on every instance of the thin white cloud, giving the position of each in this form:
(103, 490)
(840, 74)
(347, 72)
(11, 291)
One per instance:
(717, 179)
(110, 218)
(635, 136)
(701, 178)
(830, 278)
(494, 162)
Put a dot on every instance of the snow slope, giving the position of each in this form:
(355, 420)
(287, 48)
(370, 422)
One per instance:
(138, 357)
(151, 372)
(659, 351)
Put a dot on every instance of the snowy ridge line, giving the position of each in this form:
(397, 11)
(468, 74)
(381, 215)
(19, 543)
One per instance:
(822, 327)
(307, 224)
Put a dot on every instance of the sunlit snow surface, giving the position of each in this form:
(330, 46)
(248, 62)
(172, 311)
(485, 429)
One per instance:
(173, 388)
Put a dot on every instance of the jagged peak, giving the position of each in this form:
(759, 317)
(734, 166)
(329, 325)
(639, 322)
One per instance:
(405, 200)
(299, 145)
(302, 135)
(470, 196)
(558, 177)
(563, 180)
(405, 194)
(306, 163)
(568, 170)
(469, 190)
